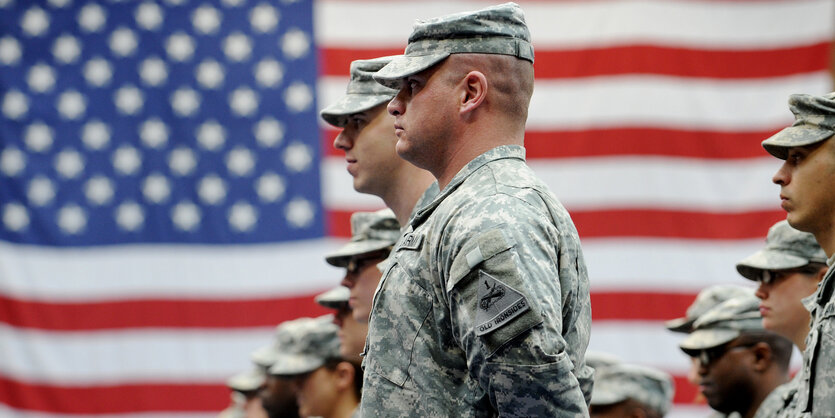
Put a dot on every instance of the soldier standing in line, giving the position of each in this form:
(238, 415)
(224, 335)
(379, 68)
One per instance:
(740, 363)
(807, 194)
(373, 234)
(367, 138)
(707, 299)
(788, 269)
(326, 385)
(352, 333)
(484, 306)
(631, 391)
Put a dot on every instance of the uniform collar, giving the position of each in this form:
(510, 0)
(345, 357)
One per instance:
(498, 153)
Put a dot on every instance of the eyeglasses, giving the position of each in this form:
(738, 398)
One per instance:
(771, 276)
(708, 356)
(355, 265)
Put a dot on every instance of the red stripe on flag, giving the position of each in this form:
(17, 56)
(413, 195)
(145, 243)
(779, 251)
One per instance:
(656, 306)
(647, 306)
(638, 59)
(188, 397)
(89, 400)
(156, 313)
(655, 223)
(658, 223)
(626, 142)
(686, 393)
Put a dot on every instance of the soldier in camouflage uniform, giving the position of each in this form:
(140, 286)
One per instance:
(484, 308)
(788, 269)
(367, 138)
(373, 234)
(740, 363)
(627, 391)
(706, 300)
(245, 401)
(277, 397)
(352, 333)
(325, 384)
(807, 194)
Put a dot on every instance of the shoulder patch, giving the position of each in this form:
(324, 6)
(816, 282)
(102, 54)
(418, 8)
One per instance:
(498, 304)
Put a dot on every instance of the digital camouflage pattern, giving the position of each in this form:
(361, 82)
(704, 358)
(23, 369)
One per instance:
(336, 298)
(265, 356)
(370, 232)
(495, 223)
(618, 382)
(816, 388)
(723, 323)
(311, 342)
(707, 299)
(363, 92)
(785, 248)
(814, 122)
(494, 30)
(781, 402)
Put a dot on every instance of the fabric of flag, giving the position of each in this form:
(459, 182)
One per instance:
(167, 192)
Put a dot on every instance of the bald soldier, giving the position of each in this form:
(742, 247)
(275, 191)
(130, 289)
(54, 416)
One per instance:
(483, 309)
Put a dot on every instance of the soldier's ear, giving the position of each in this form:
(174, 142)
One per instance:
(763, 356)
(344, 375)
(474, 91)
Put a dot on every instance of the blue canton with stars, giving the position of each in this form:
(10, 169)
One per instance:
(158, 122)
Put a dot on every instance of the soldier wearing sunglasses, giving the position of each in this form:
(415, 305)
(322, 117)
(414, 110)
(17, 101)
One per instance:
(788, 269)
(740, 362)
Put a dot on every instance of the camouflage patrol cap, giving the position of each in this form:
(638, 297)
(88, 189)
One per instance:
(336, 298)
(598, 360)
(370, 232)
(247, 381)
(785, 248)
(619, 382)
(363, 92)
(723, 323)
(265, 356)
(814, 122)
(705, 300)
(494, 30)
(312, 343)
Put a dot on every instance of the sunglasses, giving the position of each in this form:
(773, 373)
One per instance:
(708, 356)
(771, 276)
(356, 264)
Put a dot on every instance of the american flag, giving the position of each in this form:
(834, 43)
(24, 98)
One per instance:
(167, 193)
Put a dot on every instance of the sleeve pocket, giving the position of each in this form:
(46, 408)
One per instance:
(484, 247)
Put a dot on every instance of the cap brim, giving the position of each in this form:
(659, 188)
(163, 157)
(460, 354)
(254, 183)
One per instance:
(603, 396)
(794, 136)
(340, 257)
(337, 113)
(394, 72)
(708, 338)
(336, 298)
(295, 364)
(247, 381)
(680, 325)
(765, 259)
(264, 356)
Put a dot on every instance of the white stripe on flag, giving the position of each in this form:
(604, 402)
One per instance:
(176, 271)
(730, 24)
(620, 182)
